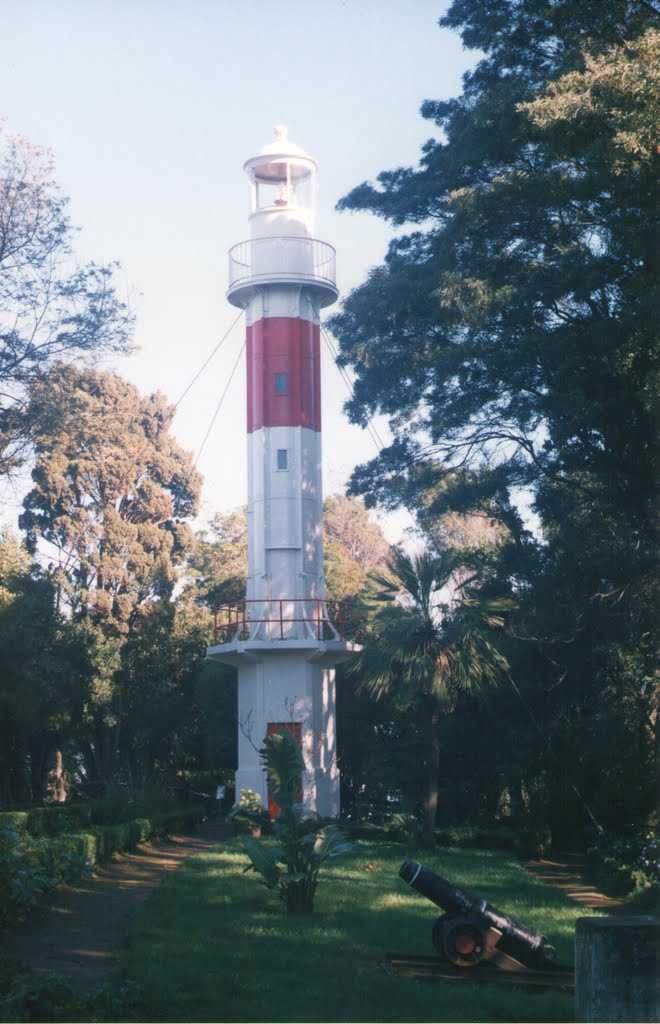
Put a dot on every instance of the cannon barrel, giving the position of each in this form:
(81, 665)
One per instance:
(526, 945)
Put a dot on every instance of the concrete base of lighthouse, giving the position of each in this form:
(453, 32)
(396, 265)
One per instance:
(288, 683)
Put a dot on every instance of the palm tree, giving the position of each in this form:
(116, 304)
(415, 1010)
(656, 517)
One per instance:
(426, 652)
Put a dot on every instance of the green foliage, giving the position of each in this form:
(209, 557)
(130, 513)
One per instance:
(43, 684)
(353, 546)
(30, 867)
(126, 835)
(23, 880)
(302, 843)
(219, 560)
(111, 492)
(31, 996)
(215, 688)
(380, 749)
(408, 830)
(510, 338)
(424, 655)
(629, 867)
(161, 661)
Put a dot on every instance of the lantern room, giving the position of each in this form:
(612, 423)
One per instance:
(283, 180)
(282, 248)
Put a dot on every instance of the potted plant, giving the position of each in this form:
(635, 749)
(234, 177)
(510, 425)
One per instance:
(248, 814)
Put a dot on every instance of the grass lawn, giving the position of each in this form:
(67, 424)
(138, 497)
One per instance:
(214, 945)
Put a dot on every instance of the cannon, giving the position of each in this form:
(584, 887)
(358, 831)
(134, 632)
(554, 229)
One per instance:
(471, 930)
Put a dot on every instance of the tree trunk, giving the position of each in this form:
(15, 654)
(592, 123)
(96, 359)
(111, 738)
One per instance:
(58, 787)
(430, 724)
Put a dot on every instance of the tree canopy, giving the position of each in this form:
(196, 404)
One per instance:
(51, 308)
(112, 490)
(511, 338)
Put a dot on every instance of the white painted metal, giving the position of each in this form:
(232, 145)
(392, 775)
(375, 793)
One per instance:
(267, 695)
(285, 543)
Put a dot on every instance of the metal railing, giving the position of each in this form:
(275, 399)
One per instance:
(280, 619)
(281, 258)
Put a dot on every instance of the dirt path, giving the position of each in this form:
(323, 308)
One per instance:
(567, 872)
(81, 930)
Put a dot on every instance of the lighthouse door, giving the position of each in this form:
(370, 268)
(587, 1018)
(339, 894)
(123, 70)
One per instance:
(295, 729)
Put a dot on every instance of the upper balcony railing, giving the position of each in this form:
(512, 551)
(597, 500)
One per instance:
(281, 260)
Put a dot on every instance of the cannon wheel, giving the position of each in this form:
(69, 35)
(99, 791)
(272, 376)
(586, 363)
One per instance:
(461, 939)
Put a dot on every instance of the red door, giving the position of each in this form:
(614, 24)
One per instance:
(295, 729)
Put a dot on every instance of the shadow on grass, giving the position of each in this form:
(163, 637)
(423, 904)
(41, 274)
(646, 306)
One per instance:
(214, 944)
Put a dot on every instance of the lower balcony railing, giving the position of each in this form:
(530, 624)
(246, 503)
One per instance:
(282, 619)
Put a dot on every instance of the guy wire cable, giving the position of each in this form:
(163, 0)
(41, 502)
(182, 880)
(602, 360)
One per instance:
(206, 363)
(416, 514)
(219, 405)
(371, 427)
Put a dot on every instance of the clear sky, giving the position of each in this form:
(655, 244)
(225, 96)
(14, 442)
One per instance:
(151, 108)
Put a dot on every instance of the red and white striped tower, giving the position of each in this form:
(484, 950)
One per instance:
(282, 640)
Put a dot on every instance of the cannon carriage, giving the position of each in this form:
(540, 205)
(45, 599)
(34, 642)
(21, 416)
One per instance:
(472, 930)
(472, 933)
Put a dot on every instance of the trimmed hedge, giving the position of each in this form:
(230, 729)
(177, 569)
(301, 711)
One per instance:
(51, 820)
(31, 866)
(101, 841)
(56, 819)
(500, 838)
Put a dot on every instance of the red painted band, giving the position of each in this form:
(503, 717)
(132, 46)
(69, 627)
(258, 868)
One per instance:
(283, 373)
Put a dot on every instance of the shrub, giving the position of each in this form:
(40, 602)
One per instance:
(628, 866)
(30, 867)
(408, 830)
(26, 995)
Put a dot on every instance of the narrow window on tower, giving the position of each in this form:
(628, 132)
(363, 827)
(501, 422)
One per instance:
(282, 458)
(281, 384)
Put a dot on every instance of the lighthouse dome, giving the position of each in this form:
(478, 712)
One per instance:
(281, 159)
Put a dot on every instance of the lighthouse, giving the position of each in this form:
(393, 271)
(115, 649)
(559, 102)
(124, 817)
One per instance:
(283, 639)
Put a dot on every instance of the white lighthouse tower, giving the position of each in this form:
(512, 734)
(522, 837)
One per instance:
(282, 639)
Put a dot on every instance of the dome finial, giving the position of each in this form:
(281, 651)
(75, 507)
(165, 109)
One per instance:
(280, 132)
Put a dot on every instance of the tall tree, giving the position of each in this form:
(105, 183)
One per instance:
(161, 662)
(425, 655)
(511, 339)
(43, 684)
(218, 561)
(353, 545)
(112, 490)
(50, 308)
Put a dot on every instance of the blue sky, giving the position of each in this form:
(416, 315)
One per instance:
(151, 108)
